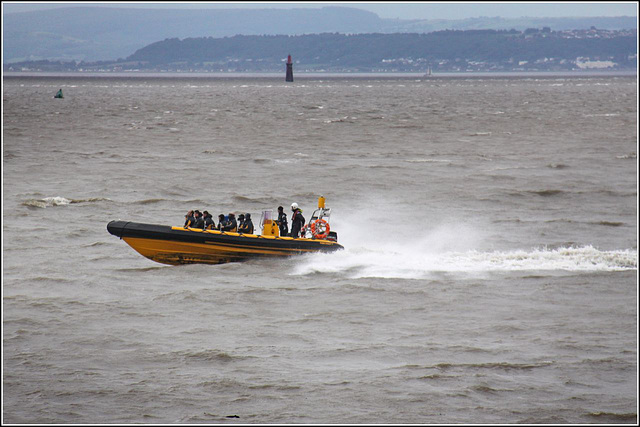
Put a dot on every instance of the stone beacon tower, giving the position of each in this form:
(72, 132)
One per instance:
(289, 77)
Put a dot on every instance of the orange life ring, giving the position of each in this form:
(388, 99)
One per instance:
(320, 229)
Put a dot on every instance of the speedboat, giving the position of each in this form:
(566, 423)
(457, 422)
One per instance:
(178, 245)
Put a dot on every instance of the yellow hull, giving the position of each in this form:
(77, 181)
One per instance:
(170, 252)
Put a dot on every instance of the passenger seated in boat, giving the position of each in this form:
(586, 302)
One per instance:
(221, 221)
(199, 220)
(247, 225)
(189, 219)
(231, 224)
(208, 221)
(240, 221)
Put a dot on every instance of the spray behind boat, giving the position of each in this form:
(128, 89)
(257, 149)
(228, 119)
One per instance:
(317, 228)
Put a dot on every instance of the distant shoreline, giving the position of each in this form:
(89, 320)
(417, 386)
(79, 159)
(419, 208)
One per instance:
(317, 75)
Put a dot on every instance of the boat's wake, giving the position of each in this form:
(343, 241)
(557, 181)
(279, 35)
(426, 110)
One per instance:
(452, 246)
(363, 262)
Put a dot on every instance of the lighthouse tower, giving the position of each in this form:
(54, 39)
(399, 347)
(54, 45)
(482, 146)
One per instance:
(289, 77)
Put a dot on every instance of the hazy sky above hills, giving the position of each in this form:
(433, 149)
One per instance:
(402, 10)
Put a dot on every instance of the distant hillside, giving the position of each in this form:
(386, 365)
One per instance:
(95, 33)
(370, 52)
(99, 33)
(520, 24)
(472, 50)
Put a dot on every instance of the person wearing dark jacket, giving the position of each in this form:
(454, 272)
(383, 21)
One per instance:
(189, 219)
(231, 224)
(221, 222)
(247, 225)
(297, 220)
(199, 220)
(208, 221)
(282, 221)
(240, 221)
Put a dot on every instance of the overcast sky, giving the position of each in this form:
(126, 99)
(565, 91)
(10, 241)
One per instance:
(402, 10)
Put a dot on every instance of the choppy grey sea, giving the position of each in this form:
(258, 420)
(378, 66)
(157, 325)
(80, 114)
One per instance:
(490, 270)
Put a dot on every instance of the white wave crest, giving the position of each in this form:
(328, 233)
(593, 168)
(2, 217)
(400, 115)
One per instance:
(59, 201)
(47, 202)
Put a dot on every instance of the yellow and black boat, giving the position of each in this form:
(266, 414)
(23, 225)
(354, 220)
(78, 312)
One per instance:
(178, 245)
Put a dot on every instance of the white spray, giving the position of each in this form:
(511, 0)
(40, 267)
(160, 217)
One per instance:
(392, 245)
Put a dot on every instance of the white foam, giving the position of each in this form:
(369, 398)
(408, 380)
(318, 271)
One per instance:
(387, 242)
(57, 201)
(60, 201)
(361, 262)
(47, 202)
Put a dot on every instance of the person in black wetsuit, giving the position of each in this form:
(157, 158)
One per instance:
(282, 221)
(208, 221)
(297, 220)
(240, 221)
(189, 219)
(247, 225)
(199, 220)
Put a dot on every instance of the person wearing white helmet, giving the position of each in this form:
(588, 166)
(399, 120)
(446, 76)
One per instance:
(297, 220)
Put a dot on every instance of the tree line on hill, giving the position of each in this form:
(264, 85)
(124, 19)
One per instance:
(449, 50)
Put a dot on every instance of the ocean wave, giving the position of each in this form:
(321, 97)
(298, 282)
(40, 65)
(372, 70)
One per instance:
(485, 389)
(557, 166)
(141, 269)
(407, 126)
(427, 161)
(94, 244)
(609, 223)
(480, 365)
(261, 161)
(148, 201)
(59, 201)
(541, 193)
(547, 193)
(571, 221)
(196, 202)
(615, 416)
(383, 167)
(411, 262)
(208, 356)
(264, 201)
(345, 119)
